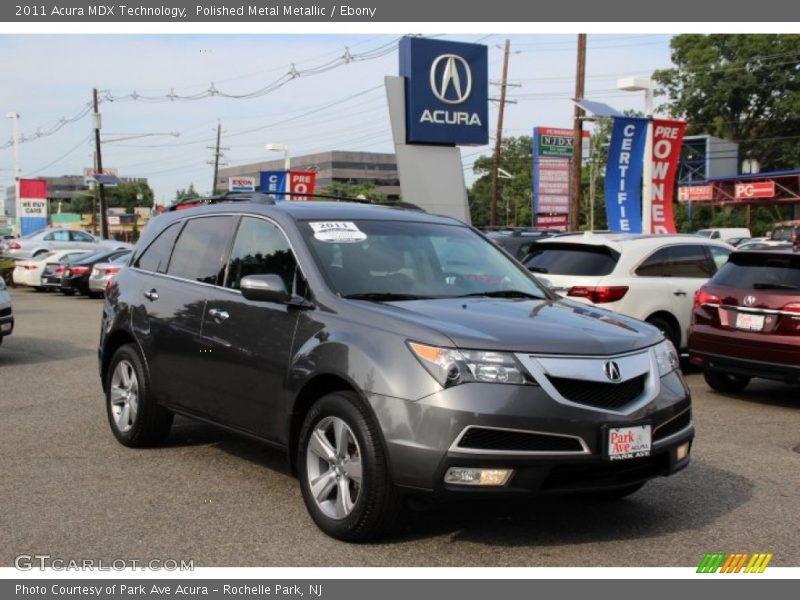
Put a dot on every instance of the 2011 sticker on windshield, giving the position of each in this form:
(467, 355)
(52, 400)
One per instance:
(343, 232)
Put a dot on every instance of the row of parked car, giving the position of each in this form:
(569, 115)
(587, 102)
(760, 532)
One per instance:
(735, 310)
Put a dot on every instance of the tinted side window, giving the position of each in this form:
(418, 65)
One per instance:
(156, 257)
(201, 250)
(719, 256)
(688, 261)
(653, 266)
(57, 236)
(261, 248)
(79, 236)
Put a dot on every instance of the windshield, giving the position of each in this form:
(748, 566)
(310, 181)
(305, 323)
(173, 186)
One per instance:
(391, 260)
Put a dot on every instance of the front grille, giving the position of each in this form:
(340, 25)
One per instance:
(607, 474)
(5, 312)
(599, 393)
(480, 438)
(677, 424)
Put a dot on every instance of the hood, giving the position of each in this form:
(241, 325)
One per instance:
(525, 325)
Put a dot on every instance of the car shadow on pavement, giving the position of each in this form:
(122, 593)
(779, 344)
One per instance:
(768, 393)
(692, 500)
(23, 350)
(188, 432)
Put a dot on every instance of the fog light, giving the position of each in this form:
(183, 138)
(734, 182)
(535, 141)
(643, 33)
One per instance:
(470, 476)
(682, 451)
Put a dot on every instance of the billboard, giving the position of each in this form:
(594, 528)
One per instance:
(757, 189)
(241, 184)
(33, 205)
(447, 91)
(694, 193)
(556, 142)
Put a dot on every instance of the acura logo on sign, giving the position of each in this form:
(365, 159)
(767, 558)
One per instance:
(611, 370)
(451, 79)
(749, 300)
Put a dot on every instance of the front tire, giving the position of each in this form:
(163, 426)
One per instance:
(726, 383)
(343, 470)
(136, 419)
(667, 330)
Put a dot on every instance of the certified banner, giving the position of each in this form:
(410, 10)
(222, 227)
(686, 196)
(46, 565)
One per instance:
(273, 181)
(33, 204)
(624, 174)
(667, 141)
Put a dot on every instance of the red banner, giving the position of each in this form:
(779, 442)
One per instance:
(301, 183)
(667, 140)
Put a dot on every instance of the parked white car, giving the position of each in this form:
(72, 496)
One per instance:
(649, 277)
(59, 239)
(29, 272)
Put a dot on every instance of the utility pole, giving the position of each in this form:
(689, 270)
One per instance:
(577, 137)
(98, 167)
(499, 137)
(14, 116)
(217, 154)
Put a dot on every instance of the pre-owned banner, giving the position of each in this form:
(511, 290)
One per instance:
(33, 204)
(667, 140)
(624, 174)
(301, 183)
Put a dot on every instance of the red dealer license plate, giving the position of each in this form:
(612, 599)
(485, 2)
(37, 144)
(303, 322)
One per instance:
(629, 442)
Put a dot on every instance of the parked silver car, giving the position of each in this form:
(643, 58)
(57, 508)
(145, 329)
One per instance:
(59, 239)
(102, 273)
(6, 314)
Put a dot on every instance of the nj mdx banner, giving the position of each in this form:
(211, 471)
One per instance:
(447, 91)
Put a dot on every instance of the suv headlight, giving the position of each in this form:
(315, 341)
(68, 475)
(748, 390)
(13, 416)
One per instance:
(666, 358)
(451, 367)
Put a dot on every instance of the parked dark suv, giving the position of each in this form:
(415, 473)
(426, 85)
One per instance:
(746, 320)
(357, 339)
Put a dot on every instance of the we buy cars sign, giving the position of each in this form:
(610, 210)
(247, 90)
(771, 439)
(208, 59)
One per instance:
(757, 189)
(301, 183)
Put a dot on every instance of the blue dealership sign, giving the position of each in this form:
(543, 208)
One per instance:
(447, 91)
(624, 174)
(273, 181)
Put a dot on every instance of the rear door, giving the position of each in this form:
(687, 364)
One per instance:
(246, 345)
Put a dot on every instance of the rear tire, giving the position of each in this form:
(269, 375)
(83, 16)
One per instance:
(343, 470)
(725, 382)
(136, 419)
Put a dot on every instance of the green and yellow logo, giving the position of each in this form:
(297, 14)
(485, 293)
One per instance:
(738, 562)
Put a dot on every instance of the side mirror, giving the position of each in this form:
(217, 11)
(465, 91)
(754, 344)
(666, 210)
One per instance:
(264, 288)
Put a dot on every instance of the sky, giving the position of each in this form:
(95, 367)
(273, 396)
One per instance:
(333, 104)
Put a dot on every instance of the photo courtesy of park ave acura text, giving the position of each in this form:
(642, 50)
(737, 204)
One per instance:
(370, 299)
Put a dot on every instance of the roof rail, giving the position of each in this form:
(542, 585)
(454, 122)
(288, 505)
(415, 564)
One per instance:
(268, 198)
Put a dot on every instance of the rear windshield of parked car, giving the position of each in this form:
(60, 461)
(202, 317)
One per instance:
(760, 270)
(572, 259)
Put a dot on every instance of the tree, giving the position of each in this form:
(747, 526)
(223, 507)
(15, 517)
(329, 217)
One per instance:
(126, 195)
(353, 190)
(189, 192)
(743, 88)
(514, 195)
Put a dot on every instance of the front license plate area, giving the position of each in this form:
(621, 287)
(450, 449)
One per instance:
(624, 443)
(749, 322)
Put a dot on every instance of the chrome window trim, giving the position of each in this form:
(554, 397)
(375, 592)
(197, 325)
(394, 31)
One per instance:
(456, 448)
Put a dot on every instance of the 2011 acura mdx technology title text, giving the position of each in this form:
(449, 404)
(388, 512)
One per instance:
(389, 352)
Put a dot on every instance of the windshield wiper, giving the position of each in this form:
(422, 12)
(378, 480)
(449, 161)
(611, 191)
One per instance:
(502, 294)
(774, 286)
(384, 296)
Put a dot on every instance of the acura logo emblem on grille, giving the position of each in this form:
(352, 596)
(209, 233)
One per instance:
(611, 369)
(749, 300)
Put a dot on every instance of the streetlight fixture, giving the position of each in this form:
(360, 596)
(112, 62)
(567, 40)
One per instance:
(644, 84)
(286, 163)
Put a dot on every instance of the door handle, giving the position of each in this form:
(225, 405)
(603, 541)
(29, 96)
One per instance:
(679, 293)
(151, 295)
(218, 315)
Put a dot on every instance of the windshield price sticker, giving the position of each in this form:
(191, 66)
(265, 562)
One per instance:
(629, 442)
(343, 232)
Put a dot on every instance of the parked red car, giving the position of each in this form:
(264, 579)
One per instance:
(746, 320)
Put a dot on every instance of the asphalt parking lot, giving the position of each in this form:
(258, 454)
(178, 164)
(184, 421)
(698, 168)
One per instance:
(71, 491)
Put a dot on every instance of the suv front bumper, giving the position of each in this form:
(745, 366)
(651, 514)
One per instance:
(425, 438)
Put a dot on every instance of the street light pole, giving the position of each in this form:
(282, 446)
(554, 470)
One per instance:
(286, 164)
(17, 172)
(638, 84)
